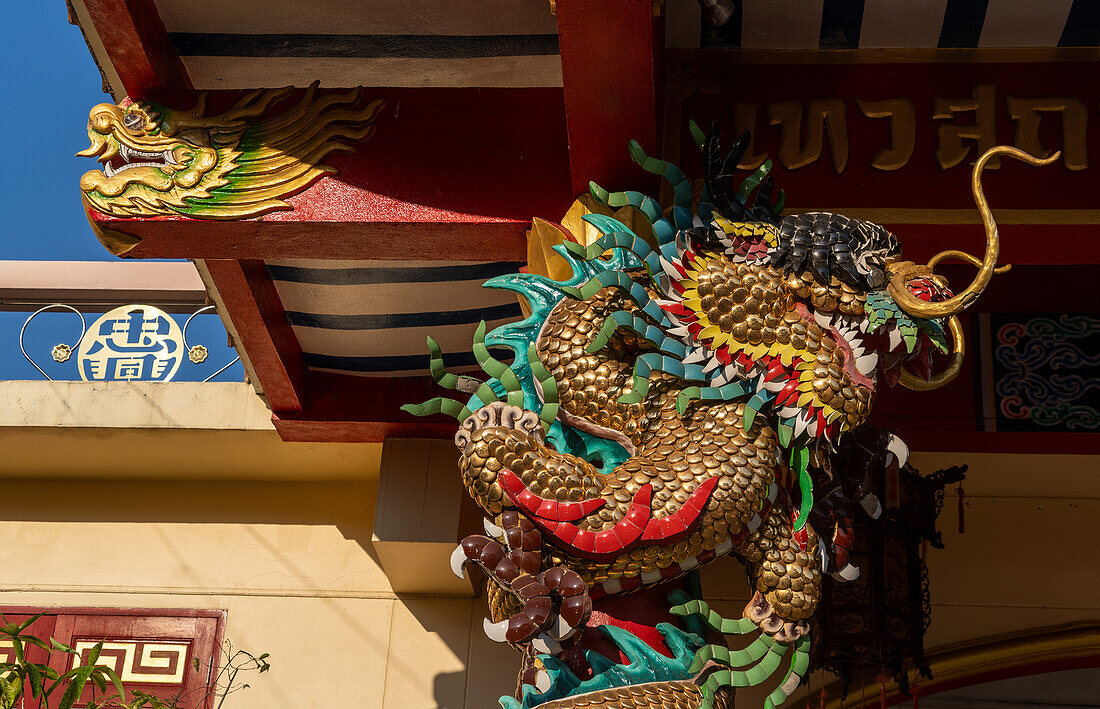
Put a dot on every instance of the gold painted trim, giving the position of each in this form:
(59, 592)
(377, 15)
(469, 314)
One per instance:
(955, 663)
(887, 215)
(983, 55)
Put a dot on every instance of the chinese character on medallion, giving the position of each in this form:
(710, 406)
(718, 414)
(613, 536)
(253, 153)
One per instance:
(131, 343)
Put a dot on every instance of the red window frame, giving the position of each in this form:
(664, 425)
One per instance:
(152, 649)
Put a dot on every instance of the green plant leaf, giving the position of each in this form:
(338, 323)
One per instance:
(34, 640)
(27, 623)
(34, 674)
(115, 680)
(93, 656)
(11, 687)
(62, 647)
(75, 687)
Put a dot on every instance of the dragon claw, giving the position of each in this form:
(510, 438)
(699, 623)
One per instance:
(761, 612)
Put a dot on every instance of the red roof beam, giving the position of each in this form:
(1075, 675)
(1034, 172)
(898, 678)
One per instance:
(138, 47)
(610, 58)
(260, 327)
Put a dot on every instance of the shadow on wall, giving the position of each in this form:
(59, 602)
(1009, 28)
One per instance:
(349, 506)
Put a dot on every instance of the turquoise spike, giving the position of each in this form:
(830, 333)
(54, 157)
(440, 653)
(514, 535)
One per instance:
(651, 333)
(616, 235)
(754, 406)
(620, 280)
(697, 134)
(672, 174)
(439, 373)
(685, 397)
(651, 362)
(663, 231)
(445, 379)
(780, 203)
(752, 181)
(681, 217)
(495, 368)
(759, 673)
(786, 432)
(646, 205)
(800, 459)
(727, 392)
(438, 405)
(800, 662)
(549, 387)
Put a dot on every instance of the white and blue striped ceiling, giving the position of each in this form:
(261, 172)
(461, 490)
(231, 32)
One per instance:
(372, 317)
(378, 43)
(514, 43)
(916, 24)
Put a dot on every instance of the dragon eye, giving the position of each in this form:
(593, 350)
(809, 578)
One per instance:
(133, 122)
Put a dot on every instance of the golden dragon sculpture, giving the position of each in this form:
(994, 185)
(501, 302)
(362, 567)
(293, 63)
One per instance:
(666, 401)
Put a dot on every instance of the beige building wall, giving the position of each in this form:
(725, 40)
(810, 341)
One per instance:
(182, 496)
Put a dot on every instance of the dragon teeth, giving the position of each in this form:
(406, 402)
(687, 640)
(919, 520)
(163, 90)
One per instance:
(895, 339)
(867, 363)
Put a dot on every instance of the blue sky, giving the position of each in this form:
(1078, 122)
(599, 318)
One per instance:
(50, 84)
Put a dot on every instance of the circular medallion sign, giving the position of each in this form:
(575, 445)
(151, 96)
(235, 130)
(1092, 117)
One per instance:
(131, 343)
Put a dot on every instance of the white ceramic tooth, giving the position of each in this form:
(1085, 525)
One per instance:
(562, 629)
(867, 363)
(497, 632)
(895, 338)
(822, 319)
(458, 562)
(651, 577)
(871, 505)
(899, 449)
(542, 681)
(848, 573)
(491, 529)
(724, 548)
(546, 644)
(695, 356)
(613, 587)
(688, 564)
(799, 425)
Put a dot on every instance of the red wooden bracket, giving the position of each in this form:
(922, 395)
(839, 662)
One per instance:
(263, 331)
(138, 47)
(610, 55)
(349, 409)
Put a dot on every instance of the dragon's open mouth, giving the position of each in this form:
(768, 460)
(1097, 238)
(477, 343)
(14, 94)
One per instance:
(127, 158)
(860, 359)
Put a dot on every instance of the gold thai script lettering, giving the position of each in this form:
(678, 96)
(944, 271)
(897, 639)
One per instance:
(1028, 112)
(821, 115)
(965, 128)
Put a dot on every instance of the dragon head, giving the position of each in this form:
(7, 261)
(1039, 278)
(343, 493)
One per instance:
(232, 165)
